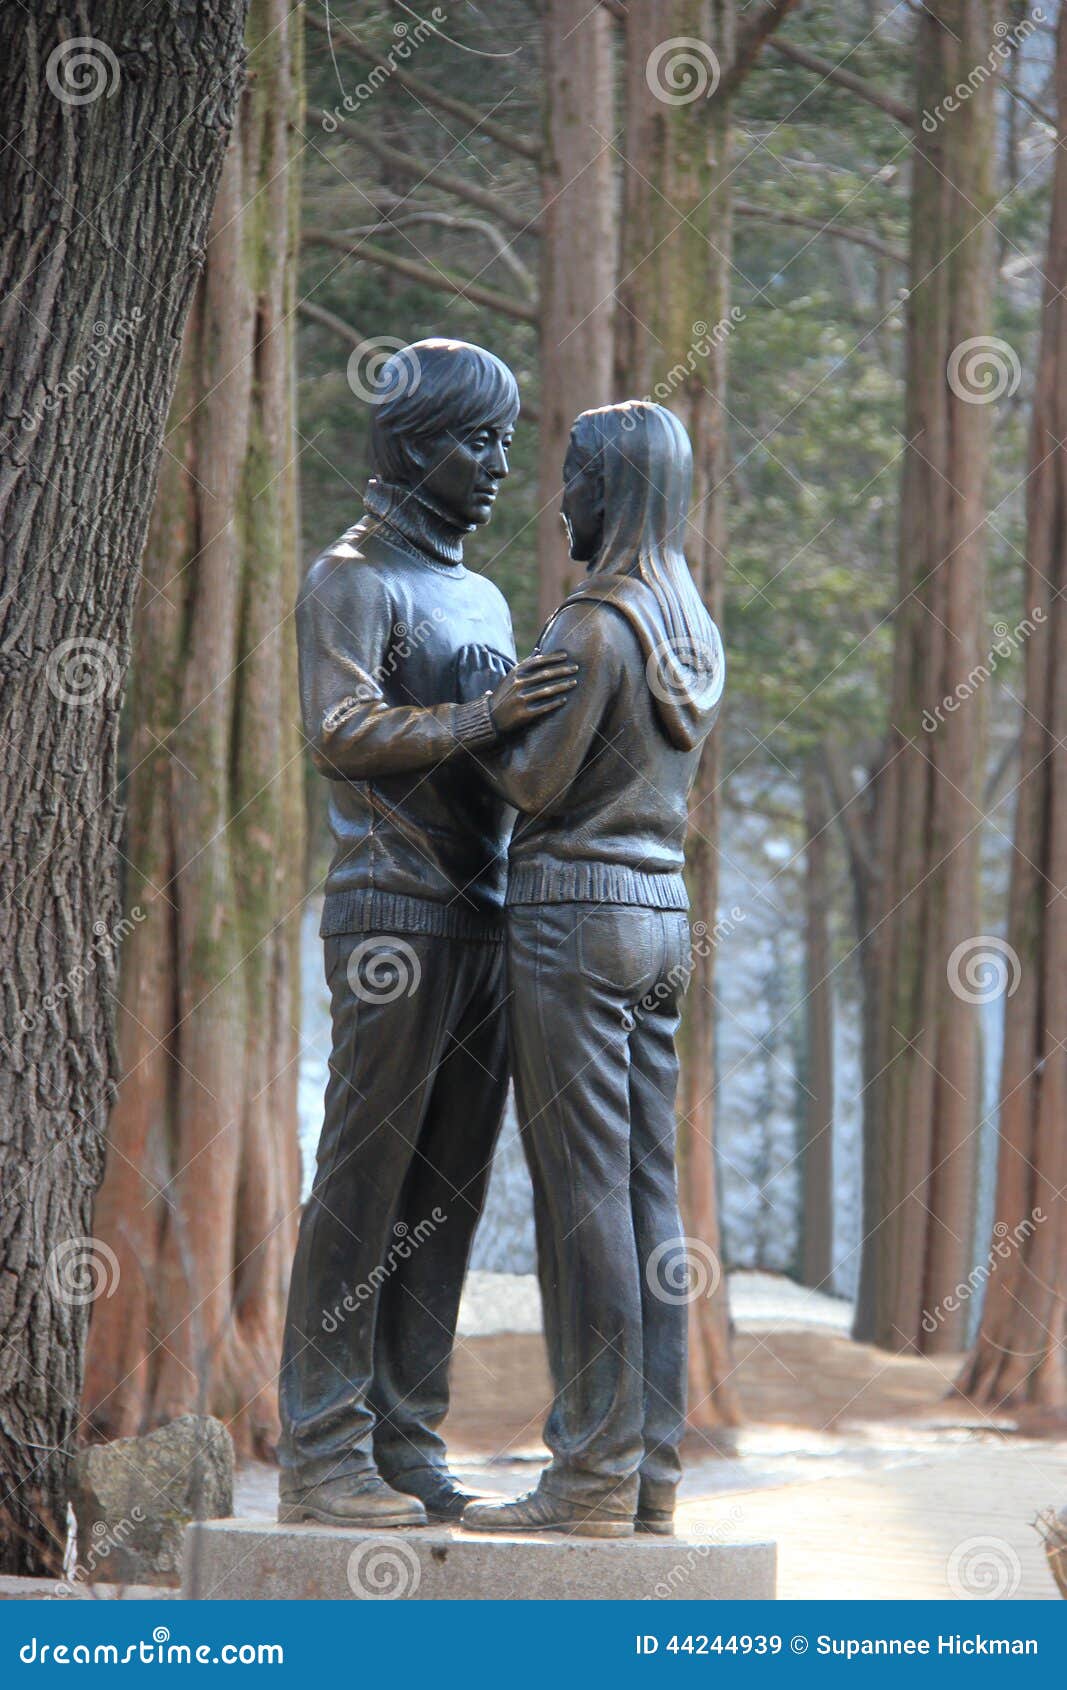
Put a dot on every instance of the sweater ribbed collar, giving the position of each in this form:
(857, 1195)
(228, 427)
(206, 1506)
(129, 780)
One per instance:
(417, 522)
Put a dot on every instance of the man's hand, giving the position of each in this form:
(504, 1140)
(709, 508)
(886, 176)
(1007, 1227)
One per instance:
(535, 687)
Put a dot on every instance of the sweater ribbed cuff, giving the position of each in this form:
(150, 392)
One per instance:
(473, 723)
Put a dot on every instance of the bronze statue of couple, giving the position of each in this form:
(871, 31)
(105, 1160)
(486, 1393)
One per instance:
(505, 897)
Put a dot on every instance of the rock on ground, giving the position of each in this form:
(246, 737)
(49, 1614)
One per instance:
(134, 1497)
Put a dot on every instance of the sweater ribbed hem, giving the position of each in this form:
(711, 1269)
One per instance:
(390, 912)
(594, 883)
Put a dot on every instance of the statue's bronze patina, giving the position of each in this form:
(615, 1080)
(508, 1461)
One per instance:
(431, 736)
(407, 675)
(598, 961)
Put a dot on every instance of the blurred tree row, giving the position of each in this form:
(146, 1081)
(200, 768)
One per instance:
(768, 217)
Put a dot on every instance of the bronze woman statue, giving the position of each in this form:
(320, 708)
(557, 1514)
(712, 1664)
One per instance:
(598, 961)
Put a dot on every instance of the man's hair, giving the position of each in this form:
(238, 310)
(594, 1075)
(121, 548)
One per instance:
(434, 387)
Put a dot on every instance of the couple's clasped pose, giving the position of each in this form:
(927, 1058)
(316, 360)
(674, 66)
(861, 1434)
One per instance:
(445, 949)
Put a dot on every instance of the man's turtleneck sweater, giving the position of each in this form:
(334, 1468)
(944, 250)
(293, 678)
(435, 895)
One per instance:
(399, 644)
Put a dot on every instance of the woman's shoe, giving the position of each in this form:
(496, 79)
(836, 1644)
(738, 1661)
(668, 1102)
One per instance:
(540, 1512)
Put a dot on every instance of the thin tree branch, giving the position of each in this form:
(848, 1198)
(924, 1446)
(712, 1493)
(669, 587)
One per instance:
(419, 170)
(752, 36)
(894, 108)
(328, 320)
(428, 275)
(848, 804)
(744, 208)
(1032, 106)
(998, 774)
(502, 247)
(432, 96)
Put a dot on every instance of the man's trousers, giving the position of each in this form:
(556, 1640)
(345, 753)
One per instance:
(418, 1077)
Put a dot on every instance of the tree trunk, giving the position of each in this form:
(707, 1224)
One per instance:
(923, 1101)
(199, 1199)
(817, 1163)
(104, 239)
(672, 294)
(578, 228)
(1020, 1359)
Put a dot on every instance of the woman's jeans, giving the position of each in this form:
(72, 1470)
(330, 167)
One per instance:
(594, 1008)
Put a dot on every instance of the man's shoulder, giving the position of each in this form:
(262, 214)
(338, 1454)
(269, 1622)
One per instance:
(352, 564)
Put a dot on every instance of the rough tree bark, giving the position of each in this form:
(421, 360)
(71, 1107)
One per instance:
(578, 227)
(1020, 1358)
(104, 236)
(199, 1199)
(816, 1261)
(923, 1099)
(671, 332)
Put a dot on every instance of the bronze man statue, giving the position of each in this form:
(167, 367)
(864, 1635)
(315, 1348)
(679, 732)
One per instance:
(406, 678)
(598, 961)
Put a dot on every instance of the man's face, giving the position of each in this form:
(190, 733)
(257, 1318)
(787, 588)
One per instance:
(583, 507)
(462, 472)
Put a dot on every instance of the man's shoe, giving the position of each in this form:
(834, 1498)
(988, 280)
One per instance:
(659, 1521)
(437, 1490)
(655, 1508)
(361, 1499)
(539, 1512)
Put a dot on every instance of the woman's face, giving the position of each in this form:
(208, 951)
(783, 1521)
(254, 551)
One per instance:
(583, 505)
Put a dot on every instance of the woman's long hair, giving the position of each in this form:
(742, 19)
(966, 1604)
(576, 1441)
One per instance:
(642, 457)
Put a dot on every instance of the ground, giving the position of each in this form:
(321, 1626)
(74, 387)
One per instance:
(873, 1481)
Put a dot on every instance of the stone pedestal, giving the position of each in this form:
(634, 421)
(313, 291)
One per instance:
(244, 1559)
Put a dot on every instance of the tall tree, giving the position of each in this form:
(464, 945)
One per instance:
(684, 60)
(816, 1161)
(923, 1097)
(578, 227)
(105, 231)
(1020, 1358)
(199, 1199)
